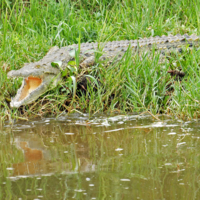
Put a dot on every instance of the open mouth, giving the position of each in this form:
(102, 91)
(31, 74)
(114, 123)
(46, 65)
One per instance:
(30, 84)
(32, 87)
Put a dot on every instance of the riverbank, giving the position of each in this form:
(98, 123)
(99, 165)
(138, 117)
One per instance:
(28, 30)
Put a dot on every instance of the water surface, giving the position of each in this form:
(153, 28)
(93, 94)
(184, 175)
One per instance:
(118, 157)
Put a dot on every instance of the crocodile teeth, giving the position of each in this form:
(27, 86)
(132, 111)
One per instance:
(31, 83)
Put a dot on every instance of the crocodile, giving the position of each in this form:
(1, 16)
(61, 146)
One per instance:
(39, 76)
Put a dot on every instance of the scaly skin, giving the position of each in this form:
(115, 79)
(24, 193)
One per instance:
(40, 75)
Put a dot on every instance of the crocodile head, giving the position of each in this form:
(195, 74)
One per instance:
(38, 77)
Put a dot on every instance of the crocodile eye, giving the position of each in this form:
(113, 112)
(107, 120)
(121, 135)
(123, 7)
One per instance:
(31, 84)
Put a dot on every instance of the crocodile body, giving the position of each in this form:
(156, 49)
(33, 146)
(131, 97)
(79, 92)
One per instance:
(40, 75)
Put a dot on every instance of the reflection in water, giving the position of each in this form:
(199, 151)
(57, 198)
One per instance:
(33, 161)
(119, 157)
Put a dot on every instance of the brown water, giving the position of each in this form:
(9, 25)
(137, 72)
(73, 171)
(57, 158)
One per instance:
(119, 157)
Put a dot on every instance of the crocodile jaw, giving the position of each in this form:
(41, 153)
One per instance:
(32, 87)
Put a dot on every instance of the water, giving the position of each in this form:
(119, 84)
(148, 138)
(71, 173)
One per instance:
(118, 157)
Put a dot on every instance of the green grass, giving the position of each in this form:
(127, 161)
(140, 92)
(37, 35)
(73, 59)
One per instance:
(29, 28)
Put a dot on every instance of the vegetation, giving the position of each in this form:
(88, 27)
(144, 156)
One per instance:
(29, 28)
